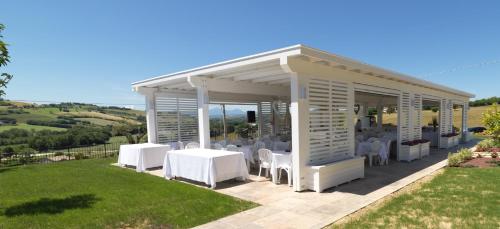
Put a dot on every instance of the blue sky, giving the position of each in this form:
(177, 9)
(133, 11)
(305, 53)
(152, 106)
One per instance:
(90, 51)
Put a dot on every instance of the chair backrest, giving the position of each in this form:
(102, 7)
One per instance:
(265, 156)
(389, 146)
(232, 148)
(372, 139)
(193, 145)
(375, 146)
(216, 146)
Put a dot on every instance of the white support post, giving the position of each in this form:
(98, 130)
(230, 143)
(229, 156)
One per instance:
(261, 119)
(299, 112)
(380, 111)
(203, 119)
(201, 86)
(151, 118)
(224, 121)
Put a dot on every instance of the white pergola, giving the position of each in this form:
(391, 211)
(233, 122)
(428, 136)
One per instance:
(320, 90)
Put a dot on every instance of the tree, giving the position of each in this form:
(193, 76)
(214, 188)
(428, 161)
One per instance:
(4, 59)
(133, 133)
(491, 120)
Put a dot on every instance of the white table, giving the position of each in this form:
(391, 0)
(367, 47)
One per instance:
(280, 159)
(363, 148)
(142, 156)
(205, 165)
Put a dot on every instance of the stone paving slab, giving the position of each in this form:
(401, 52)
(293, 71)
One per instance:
(281, 207)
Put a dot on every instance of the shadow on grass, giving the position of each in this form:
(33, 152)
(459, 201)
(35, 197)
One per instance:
(52, 205)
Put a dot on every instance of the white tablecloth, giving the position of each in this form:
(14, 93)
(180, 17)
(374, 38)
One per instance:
(142, 156)
(247, 150)
(364, 148)
(205, 165)
(280, 159)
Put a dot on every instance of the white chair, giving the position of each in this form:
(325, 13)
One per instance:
(288, 169)
(385, 161)
(223, 143)
(232, 148)
(374, 151)
(265, 159)
(372, 139)
(193, 145)
(216, 146)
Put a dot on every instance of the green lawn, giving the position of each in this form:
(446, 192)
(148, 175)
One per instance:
(30, 127)
(94, 194)
(458, 198)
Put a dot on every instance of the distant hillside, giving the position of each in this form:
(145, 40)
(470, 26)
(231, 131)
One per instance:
(64, 115)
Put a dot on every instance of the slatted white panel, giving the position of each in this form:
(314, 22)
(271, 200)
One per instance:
(443, 113)
(450, 116)
(188, 119)
(330, 106)
(284, 119)
(465, 117)
(177, 119)
(417, 117)
(404, 117)
(267, 118)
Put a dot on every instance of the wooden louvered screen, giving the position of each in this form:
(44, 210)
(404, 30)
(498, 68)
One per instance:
(177, 119)
(267, 118)
(417, 116)
(404, 117)
(330, 110)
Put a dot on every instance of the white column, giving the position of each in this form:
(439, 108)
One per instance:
(151, 118)
(224, 121)
(380, 111)
(203, 119)
(299, 112)
(261, 119)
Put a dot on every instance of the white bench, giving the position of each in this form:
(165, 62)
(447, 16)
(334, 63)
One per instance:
(336, 173)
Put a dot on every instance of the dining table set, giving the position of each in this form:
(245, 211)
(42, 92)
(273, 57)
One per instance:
(209, 166)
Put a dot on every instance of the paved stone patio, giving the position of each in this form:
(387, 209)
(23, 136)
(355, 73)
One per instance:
(283, 208)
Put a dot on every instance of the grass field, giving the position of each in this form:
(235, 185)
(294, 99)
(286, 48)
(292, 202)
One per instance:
(114, 117)
(30, 127)
(94, 194)
(458, 198)
(474, 118)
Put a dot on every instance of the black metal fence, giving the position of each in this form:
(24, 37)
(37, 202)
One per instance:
(61, 154)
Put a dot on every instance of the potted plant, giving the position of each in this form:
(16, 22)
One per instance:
(448, 140)
(409, 150)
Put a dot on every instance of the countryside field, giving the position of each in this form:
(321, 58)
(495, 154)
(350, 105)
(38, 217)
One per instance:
(474, 118)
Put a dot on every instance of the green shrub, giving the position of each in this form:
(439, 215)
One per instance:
(459, 157)
(79, 156)
(491, 120)
(58, 154)
(484, 145)
(494, 155)
(454, 160)
(465, 154)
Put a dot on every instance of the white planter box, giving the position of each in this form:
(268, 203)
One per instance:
(336, 173)
(409, 153)
(446, 142)
(456, 140)
(425, 149)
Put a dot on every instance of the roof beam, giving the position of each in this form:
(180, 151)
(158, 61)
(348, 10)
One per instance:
(271, 78)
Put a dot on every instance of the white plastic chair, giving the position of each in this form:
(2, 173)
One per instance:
(385, 161)
(193, 145)
(288, 170)
(374, 151)
(372, 139)
(232, 148)
(216, 146)
(265, 159)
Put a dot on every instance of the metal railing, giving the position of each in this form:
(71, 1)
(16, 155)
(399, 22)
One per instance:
(61, 154)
